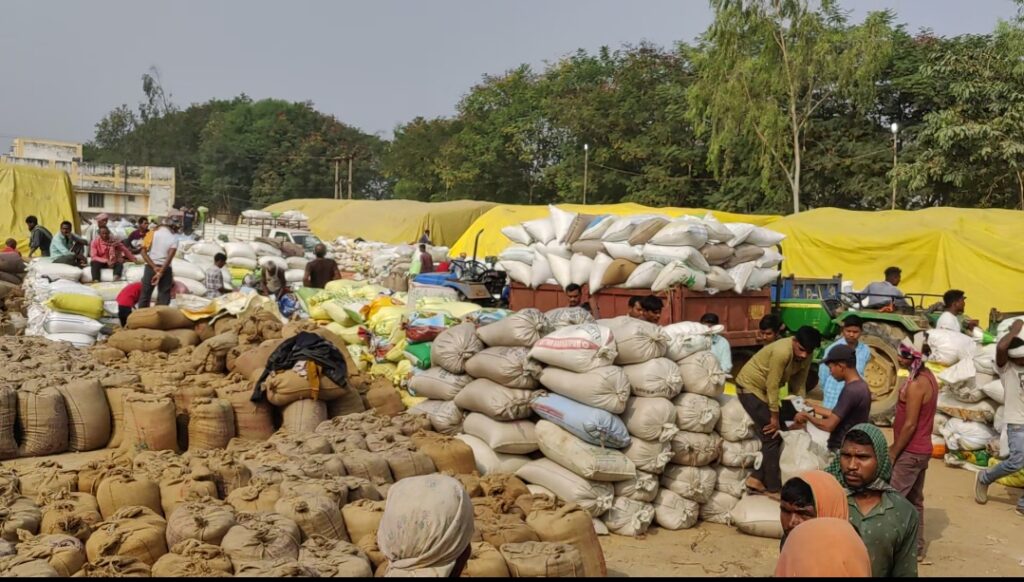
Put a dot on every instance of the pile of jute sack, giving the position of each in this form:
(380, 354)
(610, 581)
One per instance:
(625, 418)
(641, 252)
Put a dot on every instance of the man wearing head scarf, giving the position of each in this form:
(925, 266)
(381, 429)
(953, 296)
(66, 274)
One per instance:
(885, 520)
(93, 232)
(811, 495)
(426, 528)
(827, 547)
(911, 450)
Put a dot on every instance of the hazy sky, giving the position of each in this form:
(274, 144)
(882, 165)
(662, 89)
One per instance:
(372, 63)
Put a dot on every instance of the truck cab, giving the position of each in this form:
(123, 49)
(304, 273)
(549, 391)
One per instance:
(303, 238)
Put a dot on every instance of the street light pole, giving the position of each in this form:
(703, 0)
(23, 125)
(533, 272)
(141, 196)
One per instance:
(586, 161)
(895, 130)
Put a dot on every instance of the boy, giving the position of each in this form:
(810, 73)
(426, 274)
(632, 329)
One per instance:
(215, 276)
(127, 299)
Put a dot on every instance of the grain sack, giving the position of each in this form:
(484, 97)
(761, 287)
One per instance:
(409, 464)
(695, 449)
(261, 536)
(149, 423)
(593, 425)
(514, 438)
(741, 454)
(251, 361)
(644, 275)
(642, 487)
(193, 559)
(800, 453)
(758, 515)
(583, 459)
(258, 496)
(445, 417)
(649, 456)
(522, 328)
(370, 466)
(253, 420)
(619, 270)
(734, 424)
(702, 374)
(316, 515)
(64, 553)
(983, 411)
(132, 532)
(362, 518)
(628, 517)
(485, 561)
(287, 386)
(121, 489)
(508, 366)
(674, 512)
(335, 558)
(185, 337)
(42, 421)
(577, 348)
(569, 524)
(656, 378)
(731, 480)
(565, 316)
(19, 513)
(348, 403)
(206, 521)
(8, 421)
(542, 559)
(42, 477)
(488, 461)
(499, 529)
(303, 416)
(143, 340)
(74, 514)
(718, 509)
(280, 568)
(447, 453)
(652, 419)
(454, 346)
(228, 473)
(687, 338)
(384, 398)
(637, 341)
(22, 567)
(696, 413)
(494, 400)
(211, 424)
(175, 490)
(606, 387)
(694, 483)
(593, 496)
(438, 383)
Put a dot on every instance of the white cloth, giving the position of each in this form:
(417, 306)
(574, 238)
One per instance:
(948, 321)
(1012, 377)
(163, 241)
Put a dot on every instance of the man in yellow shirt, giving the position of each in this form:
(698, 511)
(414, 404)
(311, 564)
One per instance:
(787, 360)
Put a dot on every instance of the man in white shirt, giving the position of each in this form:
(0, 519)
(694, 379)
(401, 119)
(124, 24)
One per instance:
(158, 273)
(955, 302)
(1010, 365)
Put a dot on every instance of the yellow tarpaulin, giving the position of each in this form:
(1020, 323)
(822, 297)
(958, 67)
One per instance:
(43, 193)
(492, 242)
(976, 250)
(389, 221)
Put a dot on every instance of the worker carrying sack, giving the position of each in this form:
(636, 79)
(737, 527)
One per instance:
(304, 346)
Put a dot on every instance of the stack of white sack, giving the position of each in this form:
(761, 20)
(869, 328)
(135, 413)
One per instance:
(375, 261)
(63, 310)
(641, 252)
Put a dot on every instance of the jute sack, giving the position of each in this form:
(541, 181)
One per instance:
(695, 449)
(64, 553)
(606, 388)
(508, 366)
(405, 463)
(718, 508)
(438, 384)
(586, 460)
(211, 424)
(513, 438)
(499, 529)
(251, 361)
(348, 403)
(702, 374)
(628, 517)
(335, 558)
(577, 348)
(143, 340)
(132, 532)
(454, 346)
(362, 517)
(205, 520)
(494, 400)
(185, 337)
(652, 419)
(735, 424)
(42, 422)
(637, 341)
(193, 559)
(694, 483)
(447, 453)
(303, 416)
(253, 420)
(285, 387)
(485, 561)
(758, 515)
(488, 461)
(8, 420)
(22, 567)
(522, 328)
(649, 456)
(570, 525)
(316, 515)
(228, 473)
(211, 355)
(20, 513)
(41, 478)
(74, 514)
(593, 496)
(370, 466)
(643, 487)
(731, 480)
(384, 398)
(445, 417)
(160, 317)
(741, 454)
(542, 559)
(261, 536)
(696, 413)
(175, 490)
(674, 512)
(657, 378)
(121, 489)
(149, 423)
(258, 496)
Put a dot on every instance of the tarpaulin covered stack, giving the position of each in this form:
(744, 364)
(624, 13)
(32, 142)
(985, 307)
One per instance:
(43, 193)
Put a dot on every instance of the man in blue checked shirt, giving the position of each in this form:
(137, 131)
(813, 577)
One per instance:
(832, 388)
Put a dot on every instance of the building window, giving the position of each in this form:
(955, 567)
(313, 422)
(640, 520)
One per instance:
(131, 198)
(96, 200)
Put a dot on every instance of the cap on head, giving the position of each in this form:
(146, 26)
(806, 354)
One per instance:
(841, 354)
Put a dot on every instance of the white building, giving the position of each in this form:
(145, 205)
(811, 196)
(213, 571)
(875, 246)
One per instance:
(115, 189)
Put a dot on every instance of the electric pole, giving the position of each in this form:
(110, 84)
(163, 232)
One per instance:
(337, 192)
(350, 176)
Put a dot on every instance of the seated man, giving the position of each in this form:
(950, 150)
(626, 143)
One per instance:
(651, 306)
(106, 252)
(67, 247)
(882, 293)
(635, 311)
(574, 293)
(830, 386)
(11, 246)
(770, 328)
(853, 406)
(955, 302)
(719, 345)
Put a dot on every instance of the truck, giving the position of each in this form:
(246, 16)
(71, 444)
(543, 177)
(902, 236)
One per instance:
(296, 232)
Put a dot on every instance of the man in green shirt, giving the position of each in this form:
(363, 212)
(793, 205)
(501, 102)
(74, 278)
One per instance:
(787, 360)
(885, 520)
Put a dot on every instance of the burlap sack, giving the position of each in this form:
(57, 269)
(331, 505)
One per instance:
(258, 496)
(143, 340)
(261, 536)
(370, 466)
(211, 354)
(334, 558)
(447, 453)
(42, 421)
(251, 361)
(73, 514)
(384, 398)
(176, 490)
(362, 517)
(695, 449)
(349, 402)
(499, 529)
(19, 513)
(44, 477)
(194, 559)
(316, 515)
(88, 414)
(494, 400)
(64, 553)
(438, 384)
(522, 328)
(253, 420)
(121, 489)
(185, 337)
(160, 317)
(211, 424)
(652, 419)
(303, 416)
(115, 567)
(543, 559)
(454, 346)
(133, 532)
(405, 463)
(328, 487)
(285, 387)
(206, 520)
(149, 423)
(485, 561)
(508, 366)
(618, 272)
(8, 420)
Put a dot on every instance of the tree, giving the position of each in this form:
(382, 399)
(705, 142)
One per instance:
(766, 67)
(413, 158)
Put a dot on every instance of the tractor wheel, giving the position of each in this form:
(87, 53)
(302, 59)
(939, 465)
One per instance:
(881, 374)
(891, 334)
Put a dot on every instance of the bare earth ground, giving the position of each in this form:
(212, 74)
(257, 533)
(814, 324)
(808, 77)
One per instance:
(964, 539)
